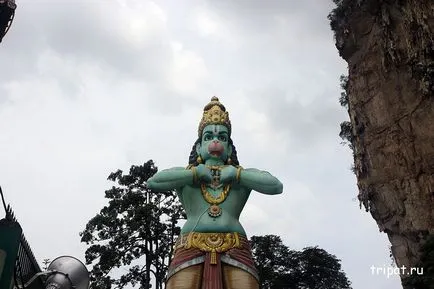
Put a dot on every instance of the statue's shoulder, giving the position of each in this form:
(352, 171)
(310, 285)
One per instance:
(178, 168)
(251, 170)
(174, 169)
(255, 170)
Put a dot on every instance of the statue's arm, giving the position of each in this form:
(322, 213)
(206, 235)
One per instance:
(260, 181)
(170, 179)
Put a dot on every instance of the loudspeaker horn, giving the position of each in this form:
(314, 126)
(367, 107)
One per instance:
(68, 273)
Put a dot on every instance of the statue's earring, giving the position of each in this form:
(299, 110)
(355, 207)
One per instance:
(199, 160)
(229, 161)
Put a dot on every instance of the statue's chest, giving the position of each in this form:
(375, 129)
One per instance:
(214, 191)
(215, 195)
(209, 194)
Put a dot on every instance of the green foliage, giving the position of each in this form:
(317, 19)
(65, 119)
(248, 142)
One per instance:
(282, 268)
(46, 263)
(425, 280)
(136, 223)
(339, 15)
(343, 100)
(274, 261)
(392, 258)
(346, 134)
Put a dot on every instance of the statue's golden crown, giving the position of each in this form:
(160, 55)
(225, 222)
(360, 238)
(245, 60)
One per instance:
(214, 113)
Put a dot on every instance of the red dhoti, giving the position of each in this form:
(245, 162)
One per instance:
(213, 250)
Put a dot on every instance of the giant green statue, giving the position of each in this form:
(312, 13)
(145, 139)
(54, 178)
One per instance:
(213, 250)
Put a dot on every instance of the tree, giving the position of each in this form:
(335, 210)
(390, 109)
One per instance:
(46, 263)
(282, 268)
(136, 229)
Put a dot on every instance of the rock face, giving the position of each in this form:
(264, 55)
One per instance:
(389, 48)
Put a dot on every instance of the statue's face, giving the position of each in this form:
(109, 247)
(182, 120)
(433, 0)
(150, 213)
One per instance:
(214, 143)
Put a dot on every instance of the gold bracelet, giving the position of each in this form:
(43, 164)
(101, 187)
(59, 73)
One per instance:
(194, 171)
(238, 174)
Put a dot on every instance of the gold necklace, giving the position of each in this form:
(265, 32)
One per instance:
(214, 210)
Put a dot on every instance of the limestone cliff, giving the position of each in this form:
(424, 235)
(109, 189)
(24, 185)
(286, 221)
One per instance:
(389, 48)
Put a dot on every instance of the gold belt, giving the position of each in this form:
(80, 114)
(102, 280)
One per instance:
(209, 242)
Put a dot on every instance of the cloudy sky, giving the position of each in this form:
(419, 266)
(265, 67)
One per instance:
(89, 87)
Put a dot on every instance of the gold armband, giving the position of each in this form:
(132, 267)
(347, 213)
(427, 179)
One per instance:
(194, 171)
(239, 169)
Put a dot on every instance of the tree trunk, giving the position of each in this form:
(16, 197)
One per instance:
(389, 49)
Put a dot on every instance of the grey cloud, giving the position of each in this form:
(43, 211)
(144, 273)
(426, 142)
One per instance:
(74, 32)
(257, 15)
(307, 126)
(77, 30)
(73, 28)
(266, 7)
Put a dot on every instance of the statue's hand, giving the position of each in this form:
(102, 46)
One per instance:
(203, 174)
(228, 174)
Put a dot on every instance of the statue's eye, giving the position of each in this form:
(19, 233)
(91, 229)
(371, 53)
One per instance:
(207, 137)
(222, 138)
